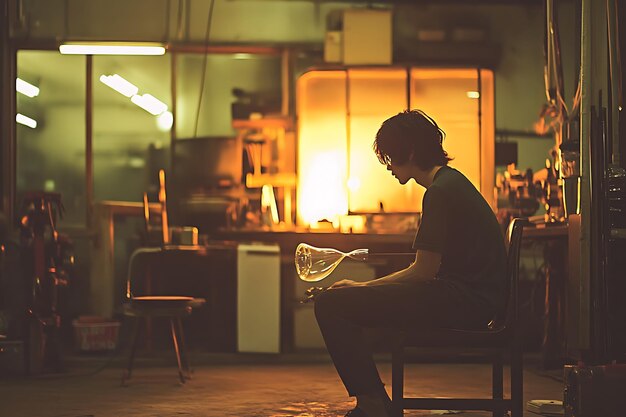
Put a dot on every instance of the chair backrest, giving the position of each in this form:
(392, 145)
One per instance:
(514, 240)
(137, 269)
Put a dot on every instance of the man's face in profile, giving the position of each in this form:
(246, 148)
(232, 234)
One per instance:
(402, 172)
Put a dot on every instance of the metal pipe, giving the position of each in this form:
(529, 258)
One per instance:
(89, 194)
(174, 96)
(285, 80)
(614, 76)
(414, 2)
(522, 134)
(584, 266)
(8, 72)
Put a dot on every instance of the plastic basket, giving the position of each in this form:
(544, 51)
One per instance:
(100, 336)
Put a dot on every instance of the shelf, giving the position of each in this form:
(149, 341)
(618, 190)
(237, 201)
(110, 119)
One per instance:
(269, 122)
(276, 180)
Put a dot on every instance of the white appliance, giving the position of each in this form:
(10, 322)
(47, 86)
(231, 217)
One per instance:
(258, 298)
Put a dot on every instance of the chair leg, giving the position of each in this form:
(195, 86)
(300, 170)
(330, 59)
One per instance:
(397, 380)
(181, 375)
(133, 348)
(497, 381)
(517, 382)
(183, 349)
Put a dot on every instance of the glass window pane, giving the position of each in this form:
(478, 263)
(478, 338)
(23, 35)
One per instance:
(258, 77)
(322, 146)
(448, 96)
(51, 156)
(130, 142)
(375, 95)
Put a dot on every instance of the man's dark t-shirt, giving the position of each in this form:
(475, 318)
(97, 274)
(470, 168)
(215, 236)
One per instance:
(458, 223)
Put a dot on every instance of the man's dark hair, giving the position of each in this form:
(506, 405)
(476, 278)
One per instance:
(411, 132)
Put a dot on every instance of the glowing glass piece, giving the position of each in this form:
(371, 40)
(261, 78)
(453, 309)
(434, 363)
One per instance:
(314, 264)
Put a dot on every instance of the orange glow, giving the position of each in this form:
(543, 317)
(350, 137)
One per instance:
(322, 147)
(323, 180)
(354, 184)
(352, 224)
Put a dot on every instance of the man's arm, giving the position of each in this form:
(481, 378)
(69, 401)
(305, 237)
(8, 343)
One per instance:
(425, 267)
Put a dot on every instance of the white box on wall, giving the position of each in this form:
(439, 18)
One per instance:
(332, 46)
(367, 37)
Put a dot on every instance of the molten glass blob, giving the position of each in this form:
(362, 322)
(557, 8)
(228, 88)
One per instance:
(314, 264)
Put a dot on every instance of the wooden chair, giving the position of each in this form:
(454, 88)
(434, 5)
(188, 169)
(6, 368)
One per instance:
(499, 340)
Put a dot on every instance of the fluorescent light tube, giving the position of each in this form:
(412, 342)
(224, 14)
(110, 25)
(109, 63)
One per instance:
(25, 120)
(112, 48)
(119, 84)
(473, 94)
(149, 103)
(165, 121)
(26, 88)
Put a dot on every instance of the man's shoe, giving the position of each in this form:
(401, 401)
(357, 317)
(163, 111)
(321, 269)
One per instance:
(356, 412)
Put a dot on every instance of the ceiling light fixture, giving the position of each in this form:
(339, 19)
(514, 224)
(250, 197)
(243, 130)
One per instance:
(112, 48)
(26, 88)
(165, 121)
(25, 120)
(473, 94)
(119, 84)
(149, 103)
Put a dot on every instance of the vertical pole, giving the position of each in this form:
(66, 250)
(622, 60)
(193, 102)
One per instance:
(614, 79)
(582, 341)
(8, 70)
(348, 139)
(173, 86)
(89, 194)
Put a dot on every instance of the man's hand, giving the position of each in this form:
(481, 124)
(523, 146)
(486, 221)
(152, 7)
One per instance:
(347, 283)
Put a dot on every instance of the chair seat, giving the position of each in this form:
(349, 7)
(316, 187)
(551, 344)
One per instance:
(161, 306)
(457, 338)
(171, 307)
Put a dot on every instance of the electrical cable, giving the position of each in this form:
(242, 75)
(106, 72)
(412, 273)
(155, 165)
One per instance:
(204, 66)
(546, 54)
(574, 112)
(179, 20)
(619, 57)
(558, 67)
(615, 71)
(168, 6)
(556, 108)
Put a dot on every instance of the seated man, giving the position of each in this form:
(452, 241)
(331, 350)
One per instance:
(457, 279)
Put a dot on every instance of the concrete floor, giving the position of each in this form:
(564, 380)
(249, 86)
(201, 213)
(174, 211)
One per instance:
(237, 385)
